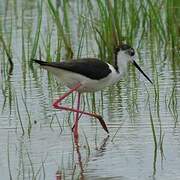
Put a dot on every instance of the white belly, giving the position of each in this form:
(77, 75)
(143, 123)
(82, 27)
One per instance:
(71, 79)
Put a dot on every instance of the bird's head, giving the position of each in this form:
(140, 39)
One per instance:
(125, 49)
(126, 53)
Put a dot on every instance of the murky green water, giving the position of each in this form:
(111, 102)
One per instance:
(47, 146)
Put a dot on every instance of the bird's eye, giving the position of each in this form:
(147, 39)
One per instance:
(131, 52)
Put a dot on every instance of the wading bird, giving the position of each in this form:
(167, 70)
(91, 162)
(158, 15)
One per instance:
(90, 75)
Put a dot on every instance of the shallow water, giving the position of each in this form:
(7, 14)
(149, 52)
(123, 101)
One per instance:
(128, 153)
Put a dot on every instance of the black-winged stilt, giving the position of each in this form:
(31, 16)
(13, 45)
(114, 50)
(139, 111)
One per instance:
(89, 75)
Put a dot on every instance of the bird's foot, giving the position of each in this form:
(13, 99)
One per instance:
(102, 122)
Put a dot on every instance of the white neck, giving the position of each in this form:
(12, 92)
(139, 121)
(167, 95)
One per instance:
(122, 62)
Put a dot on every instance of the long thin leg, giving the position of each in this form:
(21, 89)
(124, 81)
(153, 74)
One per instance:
(57, 105)
(75, 130)
(80, 162)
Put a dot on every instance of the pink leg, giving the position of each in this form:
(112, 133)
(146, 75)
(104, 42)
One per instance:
(57, 105)
(75, 130)
(58, 175)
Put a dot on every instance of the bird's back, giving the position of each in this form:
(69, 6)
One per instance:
(90, 67)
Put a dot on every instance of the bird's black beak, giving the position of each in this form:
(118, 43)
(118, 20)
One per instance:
(137, 66)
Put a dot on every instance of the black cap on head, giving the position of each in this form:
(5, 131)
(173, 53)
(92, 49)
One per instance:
(125, 47)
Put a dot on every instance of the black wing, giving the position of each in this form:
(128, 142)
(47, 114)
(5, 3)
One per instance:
(90, 67)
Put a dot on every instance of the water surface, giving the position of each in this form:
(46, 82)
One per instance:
(128, 153)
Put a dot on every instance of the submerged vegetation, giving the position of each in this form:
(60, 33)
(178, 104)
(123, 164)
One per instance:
(63, 30)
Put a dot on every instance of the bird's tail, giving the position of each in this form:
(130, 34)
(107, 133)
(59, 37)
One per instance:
(43, 63)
